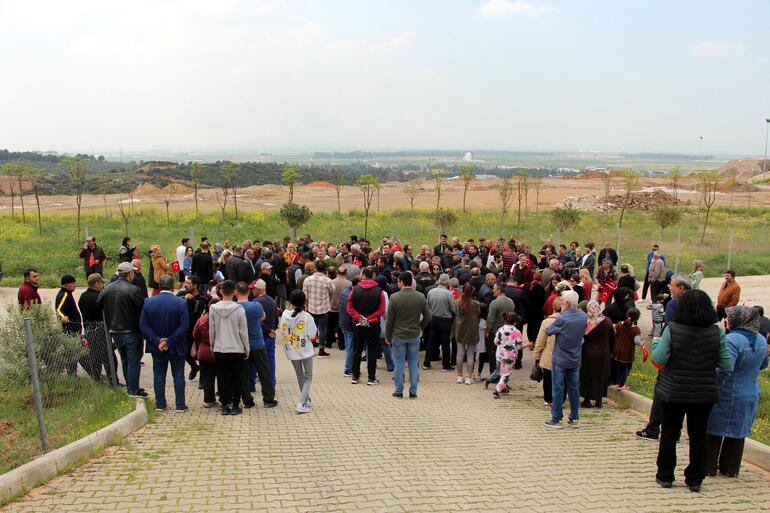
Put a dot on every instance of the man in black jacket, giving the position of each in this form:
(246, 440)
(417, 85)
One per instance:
(237, 269)
(203, 268)
(68, 313)
(608, 253)
(196, 306)
(99, 348)
(122, 304)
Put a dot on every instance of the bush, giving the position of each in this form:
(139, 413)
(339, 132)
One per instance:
(54, 349)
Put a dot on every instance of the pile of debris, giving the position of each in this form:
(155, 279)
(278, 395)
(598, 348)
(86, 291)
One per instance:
(636, 201)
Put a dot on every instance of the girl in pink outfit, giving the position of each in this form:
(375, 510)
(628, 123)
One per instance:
(508, 340)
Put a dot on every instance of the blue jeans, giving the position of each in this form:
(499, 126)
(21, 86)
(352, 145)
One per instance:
(569, 380)
(349, 348)
(270, 346)
(321, 321)
(388, 357)
(160, 363)
(409, 349)
(129, 347)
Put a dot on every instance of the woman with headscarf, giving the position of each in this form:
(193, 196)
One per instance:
(731, 418)
(598, 343)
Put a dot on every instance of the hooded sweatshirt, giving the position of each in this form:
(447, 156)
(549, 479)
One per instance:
(366, 300)
(228, 329)
(296, 334)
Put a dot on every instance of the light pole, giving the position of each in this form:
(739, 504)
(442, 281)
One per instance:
(767, 129)
(700, 150)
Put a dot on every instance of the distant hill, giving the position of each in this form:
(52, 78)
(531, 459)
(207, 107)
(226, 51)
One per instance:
(744, 170)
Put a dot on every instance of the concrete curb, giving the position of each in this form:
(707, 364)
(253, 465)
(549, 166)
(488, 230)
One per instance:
(754, 452)
(41, 469)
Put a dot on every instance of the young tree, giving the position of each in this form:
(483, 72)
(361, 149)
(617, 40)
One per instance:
(294, 216)
(505, 193)
(77, 169)
(125, 213)
(565, 218)
(664, 217)
(444, 219)
(630, 181)
(368, 185)
(709, 183)
(607, 188)
(168, 195)
(522, 184)
(466, 173)
(103, 183)
(438, 176)
(195, 174)
(378, 187)
(222, 200)
(36, 175)
(731, 184)
(537, 182)
(289, 177)
(339, 181)
(21, 174)
(229, 172)
(9, 170)
(674, 178)
(411, 189)
(131, 185)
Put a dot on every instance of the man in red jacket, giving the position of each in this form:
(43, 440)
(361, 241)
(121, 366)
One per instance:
(366, 305)
(28, 294)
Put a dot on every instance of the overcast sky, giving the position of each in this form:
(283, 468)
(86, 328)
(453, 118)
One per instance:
(269, 74)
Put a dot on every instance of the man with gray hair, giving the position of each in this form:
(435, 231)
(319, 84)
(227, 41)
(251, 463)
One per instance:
(442, 309)
(569, 329)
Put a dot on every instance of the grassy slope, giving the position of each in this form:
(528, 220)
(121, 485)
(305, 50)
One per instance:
(56, 251)
(81, 408)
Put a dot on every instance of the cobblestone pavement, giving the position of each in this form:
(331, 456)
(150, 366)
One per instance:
(360, 450)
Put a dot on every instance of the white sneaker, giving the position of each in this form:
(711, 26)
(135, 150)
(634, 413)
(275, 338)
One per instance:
(460, 379)
(302, 408)
(468, 381)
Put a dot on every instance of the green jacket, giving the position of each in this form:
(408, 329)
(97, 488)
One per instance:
(497, 307)
(405, 309)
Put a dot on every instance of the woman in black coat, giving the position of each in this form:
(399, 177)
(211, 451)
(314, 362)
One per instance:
(535, 294)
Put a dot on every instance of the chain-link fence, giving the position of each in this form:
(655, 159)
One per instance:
(57, 381)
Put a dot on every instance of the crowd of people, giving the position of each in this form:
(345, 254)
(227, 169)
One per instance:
(225, 307)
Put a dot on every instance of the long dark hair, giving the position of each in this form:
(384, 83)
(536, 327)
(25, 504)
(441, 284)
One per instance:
(467, 298)
(297, 299)
(695, 309)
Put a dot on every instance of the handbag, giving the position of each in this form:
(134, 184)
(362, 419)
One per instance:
(536, 374)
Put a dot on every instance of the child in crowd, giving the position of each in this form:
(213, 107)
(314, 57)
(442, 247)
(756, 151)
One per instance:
(658, 310)
(296, 333)
(627, 337)
(509, 341)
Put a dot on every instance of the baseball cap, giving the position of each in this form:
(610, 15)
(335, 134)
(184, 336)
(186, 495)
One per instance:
(260, 284)
(125, 268)
(265, 265)
(67, 278)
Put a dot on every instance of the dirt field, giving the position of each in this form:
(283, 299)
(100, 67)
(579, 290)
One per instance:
(482, 194)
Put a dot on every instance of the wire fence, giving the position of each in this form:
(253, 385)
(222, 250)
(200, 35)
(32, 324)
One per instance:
(59, 380)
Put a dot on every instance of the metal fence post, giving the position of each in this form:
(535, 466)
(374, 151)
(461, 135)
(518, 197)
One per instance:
(35, 385)
(113, 377)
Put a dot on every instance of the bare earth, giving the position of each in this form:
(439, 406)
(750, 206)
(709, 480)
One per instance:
(482, 194)
(361, 450)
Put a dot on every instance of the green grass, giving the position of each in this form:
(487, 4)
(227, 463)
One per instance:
(68, 418)
(642, 381)
(55, 252)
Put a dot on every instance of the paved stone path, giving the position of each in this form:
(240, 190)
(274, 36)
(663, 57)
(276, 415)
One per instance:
(361, 450)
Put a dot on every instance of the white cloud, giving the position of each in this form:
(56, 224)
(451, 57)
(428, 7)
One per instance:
(717, 49)
(520, 7)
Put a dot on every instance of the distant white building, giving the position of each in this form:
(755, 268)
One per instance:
(468, 157)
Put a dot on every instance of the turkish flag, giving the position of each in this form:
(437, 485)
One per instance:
(175, 267)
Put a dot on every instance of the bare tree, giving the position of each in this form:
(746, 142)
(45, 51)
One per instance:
(77, 168)
(607, 188)
(674, 177)
(339, 181)
(102, 183)
(537, 182)
(168, 196)
(630, 181)
(411, 189)
(368, 185)
(438, 177)
(731, 184)
(222, 200)
(505, 193)
(9, 170)
(466, 173)
(36, 175)
(125, 213)
(229, 172)
(21, 174)
(195, 174)
(522, 184)
(710, 183)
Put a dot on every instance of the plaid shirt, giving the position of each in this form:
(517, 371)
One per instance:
(319, 289)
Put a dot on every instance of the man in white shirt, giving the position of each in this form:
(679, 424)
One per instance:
(180, 251)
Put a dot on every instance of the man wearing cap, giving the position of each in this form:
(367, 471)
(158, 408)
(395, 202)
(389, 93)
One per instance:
(164, 323)
(257, 365)
(269, 324)
(442, 308)
(93, 329)
(266, 275)
(122, 304)
(68, 313)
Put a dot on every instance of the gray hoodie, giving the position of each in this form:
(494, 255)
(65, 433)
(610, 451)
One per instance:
(228, 331)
